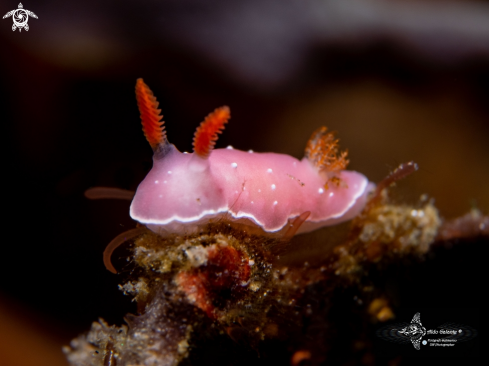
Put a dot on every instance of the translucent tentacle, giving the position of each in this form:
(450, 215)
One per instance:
(100, 193)
(295, 225)
(116, 242)
(401, 172)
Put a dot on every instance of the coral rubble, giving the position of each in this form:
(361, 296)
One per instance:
(223, 296)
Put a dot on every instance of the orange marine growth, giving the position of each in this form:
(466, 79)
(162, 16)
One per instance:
(206, 135)
(150, 115)
(226, 271)
(322, 151)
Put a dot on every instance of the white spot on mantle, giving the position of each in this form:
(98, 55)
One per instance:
(273, 187)
(169, 172)
(229, 147)
(234, 165)
(275, 202)
(269, 170)
(321, 191)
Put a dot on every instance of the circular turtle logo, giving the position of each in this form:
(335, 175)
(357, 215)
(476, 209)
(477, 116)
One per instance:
(20, 17)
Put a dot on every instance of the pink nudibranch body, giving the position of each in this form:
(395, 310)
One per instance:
(267, 189)
(184, 192)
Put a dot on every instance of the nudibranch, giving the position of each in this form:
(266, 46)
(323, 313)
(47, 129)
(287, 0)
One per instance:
(273, 193)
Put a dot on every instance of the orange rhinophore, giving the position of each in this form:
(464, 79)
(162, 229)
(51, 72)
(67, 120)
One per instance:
(322, 151)
(153, 126)
(206, 135)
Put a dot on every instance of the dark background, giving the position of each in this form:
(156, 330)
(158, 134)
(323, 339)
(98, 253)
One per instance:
(399, 81)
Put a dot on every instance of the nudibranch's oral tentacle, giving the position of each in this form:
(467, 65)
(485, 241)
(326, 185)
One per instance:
(322, 151)
(101, 193)
(153, 127)
(206, 135)
(116, 242)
